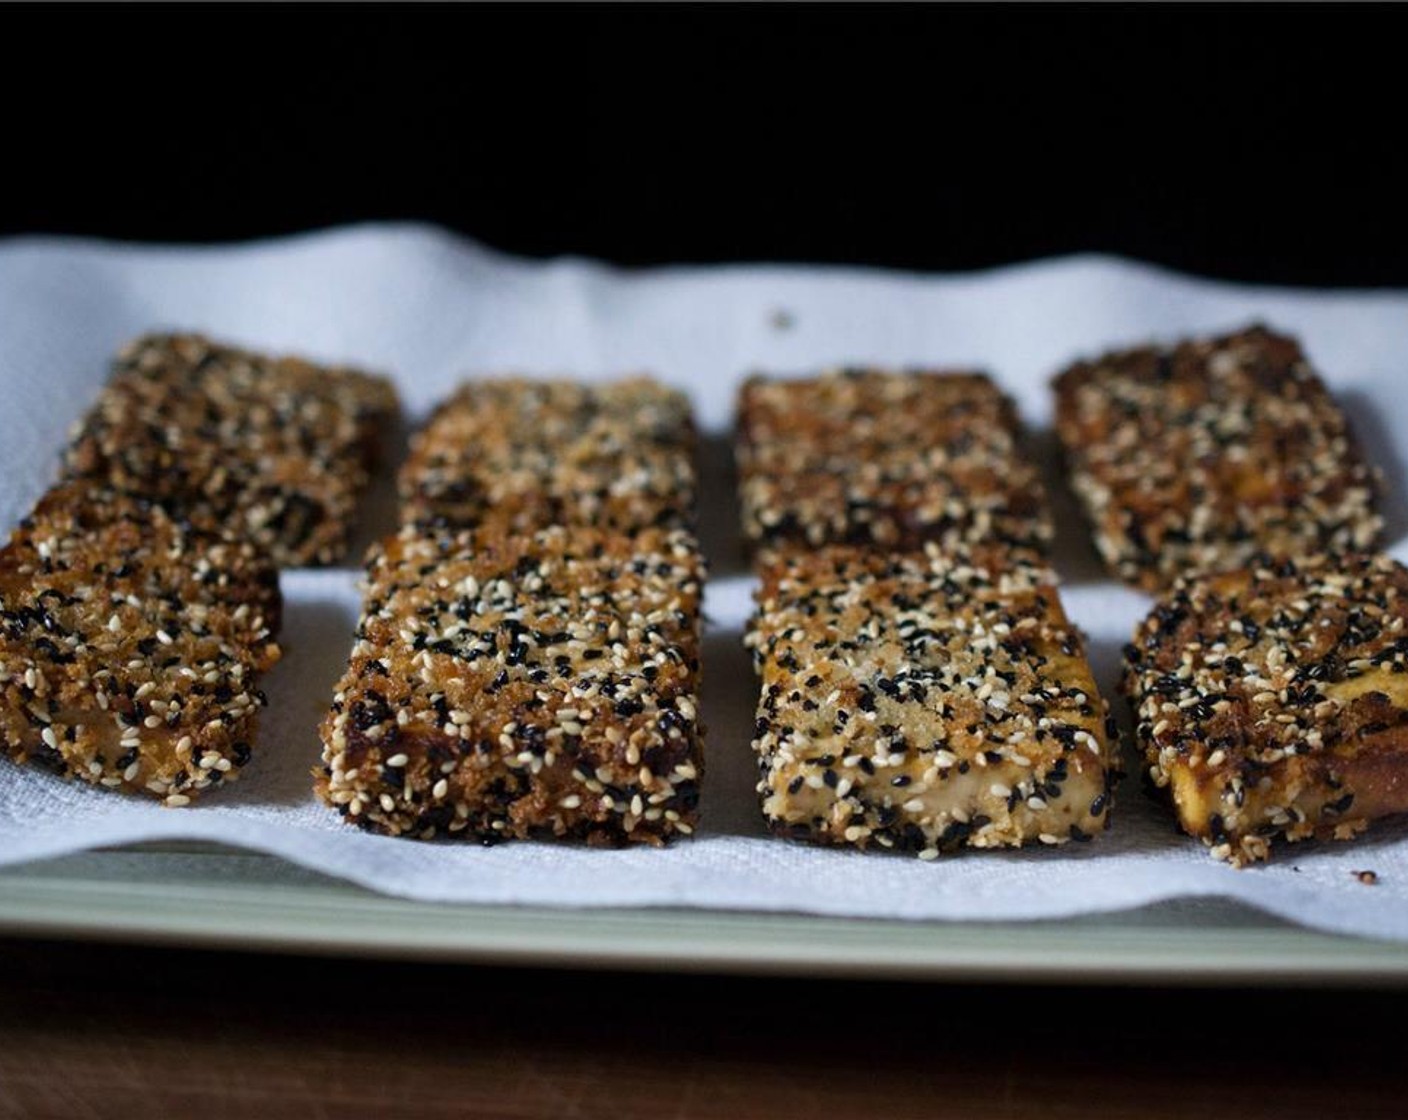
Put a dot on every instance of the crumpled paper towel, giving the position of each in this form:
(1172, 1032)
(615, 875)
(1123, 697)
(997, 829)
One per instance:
(430, 308)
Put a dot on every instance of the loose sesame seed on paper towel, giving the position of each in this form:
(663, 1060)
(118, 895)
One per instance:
(428, 308)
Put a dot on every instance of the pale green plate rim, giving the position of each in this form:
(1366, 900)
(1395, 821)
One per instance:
(213, 898)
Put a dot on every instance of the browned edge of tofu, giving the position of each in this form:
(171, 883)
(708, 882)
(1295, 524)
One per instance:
(508, 685)
(275, 449)
(893, 458)
(926, 701)
(1272, 702)
(618, 455)
(1199, 456)
(131, 646)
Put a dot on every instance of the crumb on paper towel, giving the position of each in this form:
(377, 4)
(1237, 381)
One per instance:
(1368, 878)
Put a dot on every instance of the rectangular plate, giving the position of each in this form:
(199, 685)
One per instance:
(211, 897)
(429, 309)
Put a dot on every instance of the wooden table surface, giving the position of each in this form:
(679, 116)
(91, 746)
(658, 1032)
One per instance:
(91, 1030)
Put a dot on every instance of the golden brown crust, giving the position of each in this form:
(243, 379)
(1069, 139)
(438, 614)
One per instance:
(276, 450)
(509, 685)
(130, 646)
(1273, 701)
(1200, 456)
(924, 701)
(527, 454)
(892, 458)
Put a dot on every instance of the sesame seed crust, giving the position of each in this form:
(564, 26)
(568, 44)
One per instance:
(1272, 702)
(892, 458)
(925, 701)
(131, 646)
(1198, 457)
(507, 685)
(276, 450)
(528, 454)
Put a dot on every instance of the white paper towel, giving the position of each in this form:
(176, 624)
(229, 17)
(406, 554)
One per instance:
(429, 308)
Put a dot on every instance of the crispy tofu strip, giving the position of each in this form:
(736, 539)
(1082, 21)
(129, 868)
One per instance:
(506, 684)
(895, 459)
(1197, 457)
(274, 450)
(1272, 701)
(131, 646)
(925, 701)
(527, 454)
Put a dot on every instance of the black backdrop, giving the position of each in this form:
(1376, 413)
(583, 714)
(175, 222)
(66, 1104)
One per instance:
(1259, 142)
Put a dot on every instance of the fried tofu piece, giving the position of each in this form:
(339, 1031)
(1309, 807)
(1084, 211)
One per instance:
(891, 458)
(925, 701)
(506, 684)
(1199, 456)
(1272, 701)
(527, 454)
(276, 450)
(131, 646)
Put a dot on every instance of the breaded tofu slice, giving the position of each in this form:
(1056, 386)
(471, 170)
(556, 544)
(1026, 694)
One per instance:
(276, 451)
(131, 647)
(1272, 701)
(527, 454)
(892, 458)
(507, 684)
(1199, 456)
(925, 701)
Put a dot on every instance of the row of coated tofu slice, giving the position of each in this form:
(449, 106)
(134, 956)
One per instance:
(527, 660)
(921, 686)
(139, 599)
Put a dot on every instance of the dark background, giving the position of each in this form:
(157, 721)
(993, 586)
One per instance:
(1258, 142)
